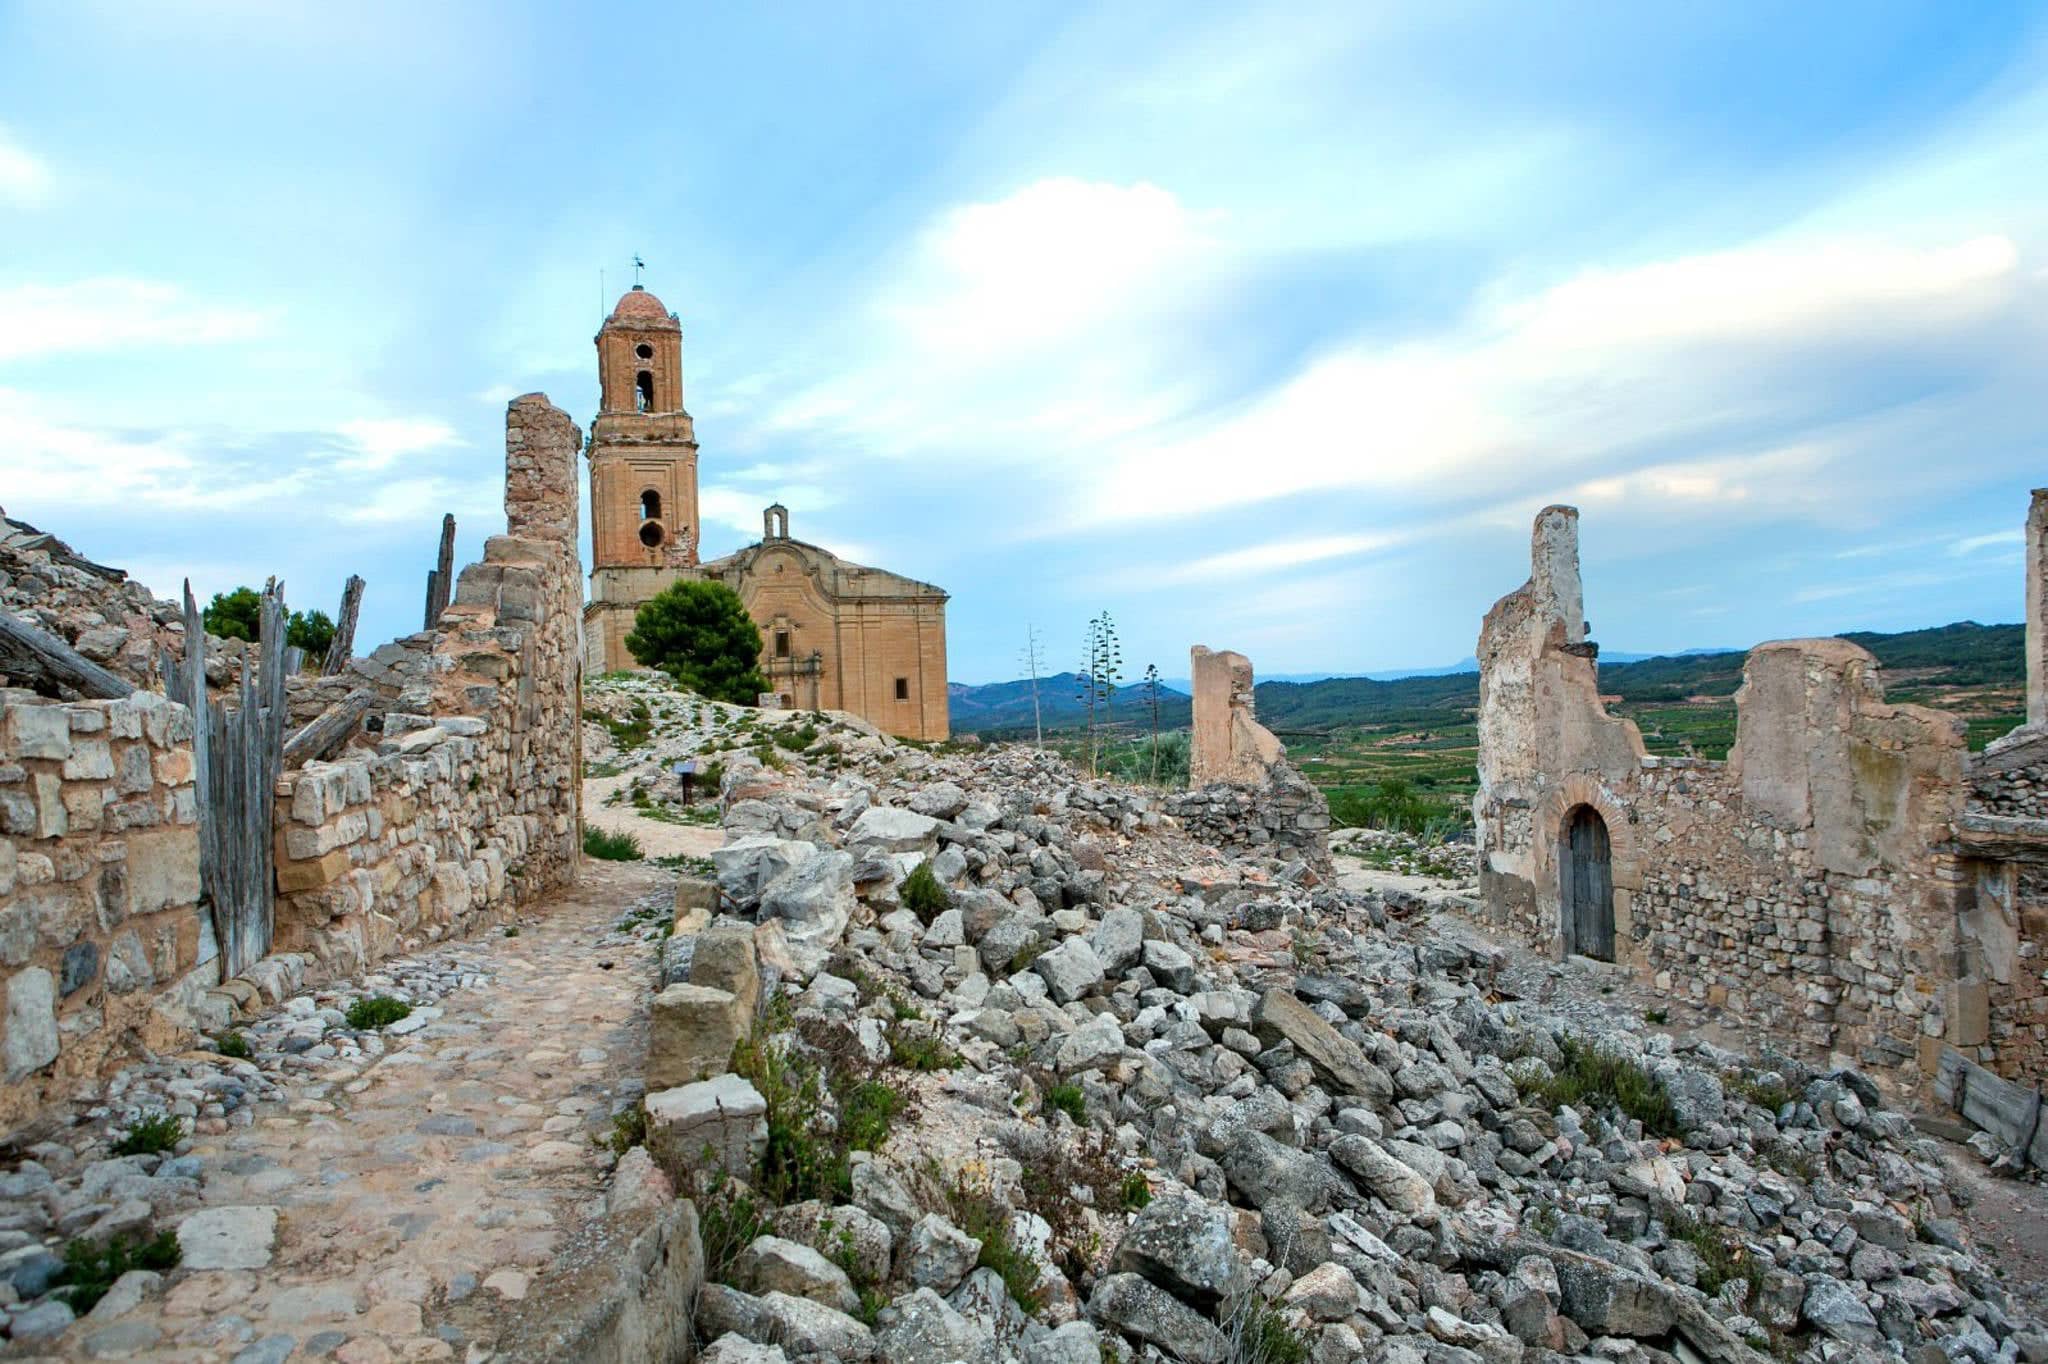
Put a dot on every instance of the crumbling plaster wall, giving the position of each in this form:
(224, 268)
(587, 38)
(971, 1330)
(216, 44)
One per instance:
(1243, 793)
(471, 804)
(101, 931)
(1804, 884)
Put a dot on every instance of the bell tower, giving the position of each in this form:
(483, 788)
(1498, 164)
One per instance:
(643, 472)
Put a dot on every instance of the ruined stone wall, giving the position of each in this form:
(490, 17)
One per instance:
(1807, 884)
(101, 933)
(470, 805)
(1243, 793)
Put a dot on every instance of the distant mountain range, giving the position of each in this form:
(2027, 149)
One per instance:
(1964, 654)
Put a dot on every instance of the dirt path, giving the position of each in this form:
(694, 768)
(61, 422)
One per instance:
(452, 1165)
(658, 838)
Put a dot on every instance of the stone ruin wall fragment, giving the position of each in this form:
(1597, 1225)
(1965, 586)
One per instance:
(1809, 884)
(1242, 792)
(468, 807)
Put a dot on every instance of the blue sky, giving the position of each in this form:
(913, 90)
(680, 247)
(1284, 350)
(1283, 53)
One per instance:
(1266, 328)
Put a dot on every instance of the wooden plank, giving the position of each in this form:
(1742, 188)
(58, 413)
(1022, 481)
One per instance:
(36, 657)
(330, 731)
(339, 652)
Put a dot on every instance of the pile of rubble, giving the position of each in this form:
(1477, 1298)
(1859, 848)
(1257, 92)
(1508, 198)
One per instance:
(99, 611)
(1151, 1102)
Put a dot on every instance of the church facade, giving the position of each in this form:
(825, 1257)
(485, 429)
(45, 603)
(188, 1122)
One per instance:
(835, 635)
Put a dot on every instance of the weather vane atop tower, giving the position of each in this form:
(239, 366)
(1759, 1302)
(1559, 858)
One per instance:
(638, 266)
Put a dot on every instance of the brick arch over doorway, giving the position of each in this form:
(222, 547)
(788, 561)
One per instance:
(1553, 821)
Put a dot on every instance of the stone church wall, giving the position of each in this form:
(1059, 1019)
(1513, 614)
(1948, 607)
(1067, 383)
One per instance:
(1808, 885)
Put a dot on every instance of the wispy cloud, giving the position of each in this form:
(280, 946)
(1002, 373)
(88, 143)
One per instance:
(379, 442)
(1970, 544)
(112, 313)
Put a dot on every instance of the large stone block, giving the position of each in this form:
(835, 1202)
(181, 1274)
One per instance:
(1336, 1058)
(38, 732)
(30, 1041)
(163, 869)
(721, 1123)
(725, 958)
(692, 1030)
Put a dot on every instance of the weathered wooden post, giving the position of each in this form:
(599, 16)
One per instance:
(339, 652)
(442, 579)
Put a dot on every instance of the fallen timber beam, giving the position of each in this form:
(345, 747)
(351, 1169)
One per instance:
(26, 652)
(326, 734)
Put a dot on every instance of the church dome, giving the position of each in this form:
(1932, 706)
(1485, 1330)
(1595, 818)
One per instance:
(637, 307)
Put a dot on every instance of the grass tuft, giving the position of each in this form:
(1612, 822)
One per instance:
(152, 1134)
(1591, 1078)
(610, 847)
(376, 1011)
(90, 1270)
(232, 1045)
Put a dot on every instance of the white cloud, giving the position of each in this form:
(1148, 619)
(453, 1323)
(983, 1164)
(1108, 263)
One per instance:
(1970, 544)
(1613, 367)
(423, 499)
(106, 313)
(381, 441)
(24, 179)
(48, 462)
(1278, 554)
(497, 395)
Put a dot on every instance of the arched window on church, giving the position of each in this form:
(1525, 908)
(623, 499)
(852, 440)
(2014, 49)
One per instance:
(643, 391)
(650, 505)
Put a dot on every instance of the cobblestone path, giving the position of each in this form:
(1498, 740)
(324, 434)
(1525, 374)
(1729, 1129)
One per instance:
(453, 1165)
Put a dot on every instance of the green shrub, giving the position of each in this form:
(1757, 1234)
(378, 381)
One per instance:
(1135, 1193)
(152, 1134)
(629, 1129)
(376, 1011)
(1392, 803)
(865, 1114)
(1068, 1099)
(729, 1218)
(922, 894)
(232, 1045)
(972, 1206)
(919, 1050)
(797, 739)
(610, 847)
(90, 1270)
(700, 634)
(1591, 1078)
(1723, 1257)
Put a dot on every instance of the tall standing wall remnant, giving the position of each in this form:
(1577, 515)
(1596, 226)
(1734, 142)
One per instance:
(1822, 885)
(1243, 793)
(471, 804)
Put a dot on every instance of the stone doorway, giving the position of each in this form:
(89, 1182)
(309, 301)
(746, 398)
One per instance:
(1586, 889)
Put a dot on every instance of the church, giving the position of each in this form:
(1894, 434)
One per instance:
(834, 635)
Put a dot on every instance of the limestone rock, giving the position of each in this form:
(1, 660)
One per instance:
(724, 1113)
(1382, 1174)
(819, 1327)
(1136, 1306)
(771, 1264)
(1070, 970)
(1183, 1244)
(227, 1238)
(1336, 1058)
(926, 1330)
(937, 1254)
(692, 1030)
(882, 828)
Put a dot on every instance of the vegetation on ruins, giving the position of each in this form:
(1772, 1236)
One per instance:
(922, 894)
(237, 614)
(700, 634)
(606, 846)
(152, 1134)
(1102, 664)
(377, 1011)
(1589, 1077)
(90, 1269)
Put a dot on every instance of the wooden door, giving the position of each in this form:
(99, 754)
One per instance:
(1589, 885)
